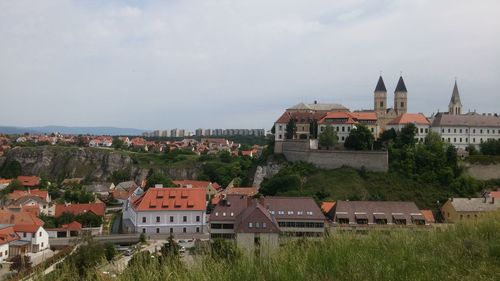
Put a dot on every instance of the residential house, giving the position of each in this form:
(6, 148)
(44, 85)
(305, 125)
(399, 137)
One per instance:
(355, 214)
(124, 190)
(457, 209)
(4, 183)
(32, 236)
(166, 210)
(98, 209)
(31, 198)
(7, 236)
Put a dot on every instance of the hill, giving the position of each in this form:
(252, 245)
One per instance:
(113, 131)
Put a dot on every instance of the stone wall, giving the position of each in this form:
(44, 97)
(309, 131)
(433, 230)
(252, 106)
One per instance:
(483, 172)
(377, 161)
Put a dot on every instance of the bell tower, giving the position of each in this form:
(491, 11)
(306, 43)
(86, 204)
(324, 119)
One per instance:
(401, 97)
(380, 97)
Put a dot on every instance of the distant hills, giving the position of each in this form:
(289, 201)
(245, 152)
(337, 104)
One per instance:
(113, 131)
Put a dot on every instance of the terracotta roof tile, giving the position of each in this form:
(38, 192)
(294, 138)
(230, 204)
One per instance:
(29, 181)
(407, 118)
(76, 209)
(182, 199)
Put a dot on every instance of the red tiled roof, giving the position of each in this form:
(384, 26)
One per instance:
(76, 209)
(34, 209)
(364, 115)
(22, 221)
(300, 117)
(326, 207)
(338, 118)
(429, 217)
(16, 194)
(494, 194)
(407, 118)
(29, 181)
(74, 225)
(182, 199)
(7, 235)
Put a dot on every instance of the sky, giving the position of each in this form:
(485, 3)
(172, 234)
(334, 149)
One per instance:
(237, 64)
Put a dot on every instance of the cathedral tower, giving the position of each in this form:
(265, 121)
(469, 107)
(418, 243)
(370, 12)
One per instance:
(380, 97)
(455, 106)
(400, 97)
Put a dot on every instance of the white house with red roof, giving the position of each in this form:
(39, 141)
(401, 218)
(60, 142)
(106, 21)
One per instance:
(7, 236)
(166, 210)
(32, 236)
(30, 199)
(344, 122)
(421, 122)
(212, 188)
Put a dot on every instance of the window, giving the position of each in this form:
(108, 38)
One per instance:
(454, 139)
(143, 230)
(184, 218)
(157, 219)
(449, 131)
(474, 131)
(197, 229)
(24, 234)
(280, 137)
(184, 230)
(143, 219)
(421, 130)
(171, 219)
(343, 221)
(460, 139)
(460, 131)
(264, 225)
(257, 225)
(373, 130)
(442, 130)
(343, 129)
(171, 230)
(381, 104)
(197, 218)
(343, 138)
(250, 225)
(454, 130)
(281, 127)
(40, 234)
(157, 230)
(402, 104)
(348, 129)
(224, 214)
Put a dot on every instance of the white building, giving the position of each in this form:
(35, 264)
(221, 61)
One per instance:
(32, 236)
(166, 210)
(421, 122)
(7, 236)
(462, 130)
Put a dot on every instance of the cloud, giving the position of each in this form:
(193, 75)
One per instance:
(165, 64)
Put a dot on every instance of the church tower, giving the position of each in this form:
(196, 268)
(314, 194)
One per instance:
(380, 97)
(400, 97)
(455, 106)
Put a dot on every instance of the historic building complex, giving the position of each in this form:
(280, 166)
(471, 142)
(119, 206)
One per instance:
(458, 128)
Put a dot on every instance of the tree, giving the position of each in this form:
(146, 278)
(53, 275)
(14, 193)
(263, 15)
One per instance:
(109, 251)
(158, 178)
(120, 175)
(16, 185)
(490, 147)
(89, 219)
(472, 149)
(225, 156)
(20, 263)
(11, 169)
(313, 129)
(328, 138)
(290, 129)
(407, 135)
(65, 218)
(117, 143)
(360, 138)
(221, 249)
(142, 238)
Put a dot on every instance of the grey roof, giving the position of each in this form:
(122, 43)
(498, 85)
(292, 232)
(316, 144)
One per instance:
(465, 120)
(455, 96)
(126, 185)
(401, 87)
(388, 209)
(295, 208)
(98, 187)
(474, 204)
(380, 85)
(318, 106)
(256, 213)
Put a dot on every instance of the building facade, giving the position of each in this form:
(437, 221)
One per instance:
(166, 210)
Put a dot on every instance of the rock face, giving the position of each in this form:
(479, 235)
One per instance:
(57, 163)
(265, 172)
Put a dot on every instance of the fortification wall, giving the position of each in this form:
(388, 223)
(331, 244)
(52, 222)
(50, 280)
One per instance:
(377, 161)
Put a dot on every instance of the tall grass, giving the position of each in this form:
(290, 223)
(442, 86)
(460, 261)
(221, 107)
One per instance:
(466, 251)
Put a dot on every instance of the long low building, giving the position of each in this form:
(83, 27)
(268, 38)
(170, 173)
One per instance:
(376, 213)
(166, 210)
(457, 209)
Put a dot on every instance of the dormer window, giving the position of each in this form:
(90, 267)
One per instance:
(250, 225)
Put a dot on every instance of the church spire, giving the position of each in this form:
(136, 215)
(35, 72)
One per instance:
(401, 87)
(455, 106)
(380, 85)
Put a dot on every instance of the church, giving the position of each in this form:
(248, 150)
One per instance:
(380, 105)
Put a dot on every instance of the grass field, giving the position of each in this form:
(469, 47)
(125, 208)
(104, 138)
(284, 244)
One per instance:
(466, 251)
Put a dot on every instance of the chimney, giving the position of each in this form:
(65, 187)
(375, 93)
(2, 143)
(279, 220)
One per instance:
(158, 185)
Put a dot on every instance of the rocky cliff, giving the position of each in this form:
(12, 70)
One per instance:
(56, 163)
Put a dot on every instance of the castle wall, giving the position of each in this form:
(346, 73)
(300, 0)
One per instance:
(297, 150)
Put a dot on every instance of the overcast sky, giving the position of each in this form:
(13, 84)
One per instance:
(237, 64)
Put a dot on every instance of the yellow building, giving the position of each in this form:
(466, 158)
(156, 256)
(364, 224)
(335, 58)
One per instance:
(457, 209)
